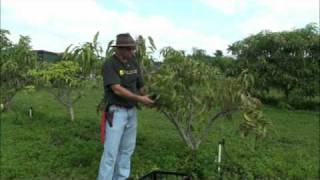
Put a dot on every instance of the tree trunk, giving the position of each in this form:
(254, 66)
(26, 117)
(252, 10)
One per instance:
(70, 104)
(181, 131)
(286, 93)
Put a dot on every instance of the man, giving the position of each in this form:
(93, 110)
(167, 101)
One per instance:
(124, 88)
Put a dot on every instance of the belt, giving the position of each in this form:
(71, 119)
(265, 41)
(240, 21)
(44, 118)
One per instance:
(123, 106)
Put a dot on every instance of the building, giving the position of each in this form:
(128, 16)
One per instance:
(48, 56)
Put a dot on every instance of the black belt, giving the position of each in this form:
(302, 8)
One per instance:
(123, 106)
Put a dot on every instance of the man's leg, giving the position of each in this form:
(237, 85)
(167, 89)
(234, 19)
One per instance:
(127, 146)
(112, 143)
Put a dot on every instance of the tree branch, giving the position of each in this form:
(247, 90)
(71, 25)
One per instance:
(58, 97)
(189, 124)
(179, 128)
(77, 98)
(213, 119)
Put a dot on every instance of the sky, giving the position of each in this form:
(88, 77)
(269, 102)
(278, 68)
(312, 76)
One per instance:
(182, 24)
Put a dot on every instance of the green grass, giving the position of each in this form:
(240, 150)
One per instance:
(295, 101)
(49, 146)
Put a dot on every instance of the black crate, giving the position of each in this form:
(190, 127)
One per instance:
(163, 175)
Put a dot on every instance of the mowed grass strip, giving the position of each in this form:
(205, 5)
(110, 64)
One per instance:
(50, 146)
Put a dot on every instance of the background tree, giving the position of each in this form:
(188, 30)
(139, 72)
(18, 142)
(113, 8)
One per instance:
(286, 61)
(218, 53)
(225, 64)
(110, 50)
(88, 55)
(144, 54)
(200, 55)
(64, 81)
(197, 52)
(16, 60)
(67, 78)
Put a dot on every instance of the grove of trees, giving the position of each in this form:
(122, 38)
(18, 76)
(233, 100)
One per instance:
(192, 90)
(287, 61)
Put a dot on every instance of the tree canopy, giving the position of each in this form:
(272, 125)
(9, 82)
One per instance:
(16, 60)
(287, 60)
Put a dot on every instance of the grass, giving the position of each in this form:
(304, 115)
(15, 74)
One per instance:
(295, 101)
(49, 146)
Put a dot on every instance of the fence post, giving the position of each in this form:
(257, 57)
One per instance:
(30, 112)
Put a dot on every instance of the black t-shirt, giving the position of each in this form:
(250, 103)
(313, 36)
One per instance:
(126, 74)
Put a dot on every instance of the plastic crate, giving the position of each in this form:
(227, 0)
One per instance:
(163, 175)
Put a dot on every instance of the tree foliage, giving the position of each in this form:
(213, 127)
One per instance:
(88, 55)
(16, 60)
(218, 53)
(64, 81)
(287, 60)
(67, 78)
(143, 53)
(193, 95)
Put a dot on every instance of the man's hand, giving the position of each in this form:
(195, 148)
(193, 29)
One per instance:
(123, 92)
(146, 100)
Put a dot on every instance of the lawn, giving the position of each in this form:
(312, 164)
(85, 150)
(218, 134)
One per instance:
(50, 146)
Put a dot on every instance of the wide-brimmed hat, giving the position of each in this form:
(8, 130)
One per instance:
(124, 40)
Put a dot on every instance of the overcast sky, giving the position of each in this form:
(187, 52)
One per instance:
(182, 24)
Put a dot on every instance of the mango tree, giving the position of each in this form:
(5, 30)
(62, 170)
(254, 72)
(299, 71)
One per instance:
(67, 78)
(143, 53)
(193, 95)
(88, 55)
(287, 61)
(64, 81)
(16, 61)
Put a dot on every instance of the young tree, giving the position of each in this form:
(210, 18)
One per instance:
(88, 55)
(64, 81)
(16, 61)
(193, 95)
(143, 54)
(67, 78)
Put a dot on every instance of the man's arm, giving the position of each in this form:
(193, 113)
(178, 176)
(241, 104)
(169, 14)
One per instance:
(123, 92)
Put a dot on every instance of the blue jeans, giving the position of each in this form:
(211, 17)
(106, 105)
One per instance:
(119, 144)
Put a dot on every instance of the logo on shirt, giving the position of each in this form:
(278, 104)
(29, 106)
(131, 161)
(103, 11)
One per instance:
(127, 72)
(121, 72)
(134, 71)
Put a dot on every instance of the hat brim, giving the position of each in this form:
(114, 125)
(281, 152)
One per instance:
(124, 45)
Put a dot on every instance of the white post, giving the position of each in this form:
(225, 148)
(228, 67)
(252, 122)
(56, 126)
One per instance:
(30, 112)
(1, 107)
(219, 155)
(221, 143)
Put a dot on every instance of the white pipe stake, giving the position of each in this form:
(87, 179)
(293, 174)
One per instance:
(219, 156)
(30, 112)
